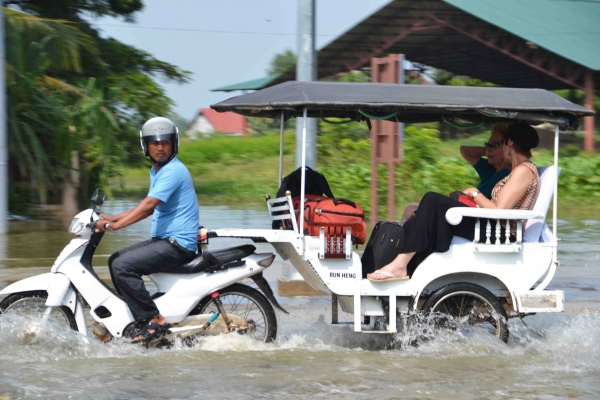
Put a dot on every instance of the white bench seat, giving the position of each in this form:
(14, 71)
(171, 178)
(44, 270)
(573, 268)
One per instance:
(536, 230)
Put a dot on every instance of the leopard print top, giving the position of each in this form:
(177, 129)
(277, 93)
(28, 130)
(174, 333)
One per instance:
(527, 201)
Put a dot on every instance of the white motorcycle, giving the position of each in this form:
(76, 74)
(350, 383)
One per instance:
(201, 297)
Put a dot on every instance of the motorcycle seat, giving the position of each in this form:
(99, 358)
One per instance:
(223, 256)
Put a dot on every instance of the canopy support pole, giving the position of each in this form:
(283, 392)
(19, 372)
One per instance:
(281, 148)
(374, 202)
(555, 197)
(552, 270)
(303, 181)
(3, 133)
(589, 122)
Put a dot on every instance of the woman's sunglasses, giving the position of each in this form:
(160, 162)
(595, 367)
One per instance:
(493, 145)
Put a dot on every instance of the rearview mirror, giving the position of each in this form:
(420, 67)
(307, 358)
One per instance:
(97, 199)
(100, 201)
(94, 198)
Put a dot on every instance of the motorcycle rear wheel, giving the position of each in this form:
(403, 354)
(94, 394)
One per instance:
(32, 305)
(465, 302)
(248, 303)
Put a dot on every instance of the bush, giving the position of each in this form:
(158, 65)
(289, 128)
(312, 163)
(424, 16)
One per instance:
(579, 180)
(569, 150)
(20, 200)
(234, 149)
(243, 169)
(423, 170)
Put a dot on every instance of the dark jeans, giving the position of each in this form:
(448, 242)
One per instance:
(127, 267)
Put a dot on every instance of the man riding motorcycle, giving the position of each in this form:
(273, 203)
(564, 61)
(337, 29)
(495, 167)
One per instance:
(172, 201)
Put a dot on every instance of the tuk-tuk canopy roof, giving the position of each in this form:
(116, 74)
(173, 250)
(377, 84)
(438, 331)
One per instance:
(405, 103)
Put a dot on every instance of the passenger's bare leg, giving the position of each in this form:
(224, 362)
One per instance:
(397, 268)
(408, 212)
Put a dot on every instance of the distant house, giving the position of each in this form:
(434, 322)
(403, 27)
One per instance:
(208, 121)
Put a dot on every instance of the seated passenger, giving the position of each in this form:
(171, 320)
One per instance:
(428, 231)
(491, 168)
(494, 167)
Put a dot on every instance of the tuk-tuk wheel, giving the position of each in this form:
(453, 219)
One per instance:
(465, 303)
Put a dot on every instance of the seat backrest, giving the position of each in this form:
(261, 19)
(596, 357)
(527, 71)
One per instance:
(282, 208)
(536, 229)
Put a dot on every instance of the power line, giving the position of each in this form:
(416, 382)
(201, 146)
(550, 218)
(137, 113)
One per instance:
(203, 30)
(329, 35)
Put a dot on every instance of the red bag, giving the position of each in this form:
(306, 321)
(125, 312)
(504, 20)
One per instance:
(463, 198)
(335, 214)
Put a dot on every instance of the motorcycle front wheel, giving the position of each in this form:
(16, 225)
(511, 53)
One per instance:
(32, 305)
(248, 303)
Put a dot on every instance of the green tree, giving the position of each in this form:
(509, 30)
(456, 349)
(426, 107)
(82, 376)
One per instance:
(67, 9)
(122, 66)
(282, 62)
(35, 49)
(99, 156)
(73, 94)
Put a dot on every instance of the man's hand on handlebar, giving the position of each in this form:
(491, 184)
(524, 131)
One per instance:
(103, 225)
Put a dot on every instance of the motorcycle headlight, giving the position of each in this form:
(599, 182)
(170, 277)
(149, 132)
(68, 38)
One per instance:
(76, 226)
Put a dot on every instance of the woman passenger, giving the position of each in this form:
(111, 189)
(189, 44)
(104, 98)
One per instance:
(428, 231)
(488, 161)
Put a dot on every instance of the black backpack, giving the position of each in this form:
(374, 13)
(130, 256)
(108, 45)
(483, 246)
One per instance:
(316, 184)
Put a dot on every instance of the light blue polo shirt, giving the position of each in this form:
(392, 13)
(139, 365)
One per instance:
(177, 215)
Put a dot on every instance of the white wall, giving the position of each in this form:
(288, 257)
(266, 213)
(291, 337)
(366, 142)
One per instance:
(200, 127)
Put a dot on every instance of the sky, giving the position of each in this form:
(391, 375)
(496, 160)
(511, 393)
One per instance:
(226, 41)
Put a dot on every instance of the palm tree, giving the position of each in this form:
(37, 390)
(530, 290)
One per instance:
(99, 152)
(37, 50)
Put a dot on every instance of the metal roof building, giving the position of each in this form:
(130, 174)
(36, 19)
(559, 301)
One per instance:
(550, 44)
(534, 43)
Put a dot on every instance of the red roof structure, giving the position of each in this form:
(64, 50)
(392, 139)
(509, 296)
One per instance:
(227, 122)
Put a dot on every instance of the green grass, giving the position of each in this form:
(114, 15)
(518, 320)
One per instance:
(450, 148)
(244, 179)
(241, 170)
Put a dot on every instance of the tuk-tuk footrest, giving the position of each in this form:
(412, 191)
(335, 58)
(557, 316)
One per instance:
(392, 317)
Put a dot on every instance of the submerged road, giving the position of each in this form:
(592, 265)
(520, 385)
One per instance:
(555, 356)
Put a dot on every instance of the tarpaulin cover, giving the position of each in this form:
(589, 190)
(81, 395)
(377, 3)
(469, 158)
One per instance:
(407, 103)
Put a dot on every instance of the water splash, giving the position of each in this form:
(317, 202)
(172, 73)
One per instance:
(568, 344)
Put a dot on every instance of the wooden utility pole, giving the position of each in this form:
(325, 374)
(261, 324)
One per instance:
(386, 136)
(589, 122)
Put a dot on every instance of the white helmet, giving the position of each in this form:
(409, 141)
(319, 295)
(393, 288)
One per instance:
(159, 128)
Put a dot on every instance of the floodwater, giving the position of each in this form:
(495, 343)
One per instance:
(555, 356)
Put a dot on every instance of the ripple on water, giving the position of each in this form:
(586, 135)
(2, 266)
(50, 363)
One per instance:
(318, 360)
(573, 339)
